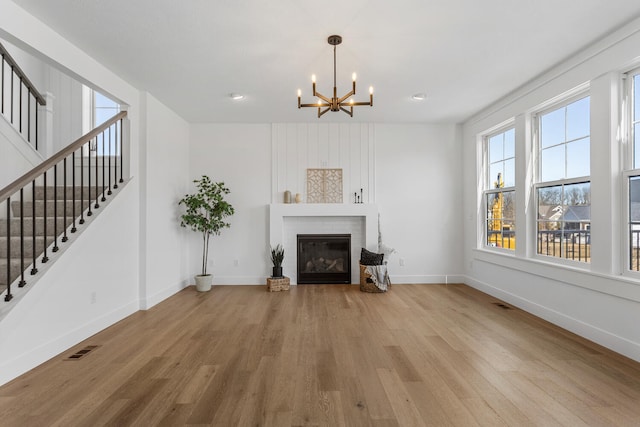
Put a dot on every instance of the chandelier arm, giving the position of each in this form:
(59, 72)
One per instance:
(347, 111)
(324, 98)
(347, 96)
(322, 104)
(320, 114)
(348, 104)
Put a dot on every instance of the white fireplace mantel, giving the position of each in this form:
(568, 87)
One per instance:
(278, 211)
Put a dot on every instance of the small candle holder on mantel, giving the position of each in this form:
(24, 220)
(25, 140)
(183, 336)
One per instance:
(358, 198)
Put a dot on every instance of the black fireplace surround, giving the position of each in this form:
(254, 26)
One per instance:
(324, 258)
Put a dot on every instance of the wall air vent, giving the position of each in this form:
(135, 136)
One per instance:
(501, 305)
(81, 353)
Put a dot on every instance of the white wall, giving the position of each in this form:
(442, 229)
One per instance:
(597, 300)
(413, 169)
(66, 109)
(165, 179)
(17, 157)
(418, 191)
(240, 156)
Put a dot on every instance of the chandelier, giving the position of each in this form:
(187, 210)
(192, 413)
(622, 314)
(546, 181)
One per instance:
(334, 103)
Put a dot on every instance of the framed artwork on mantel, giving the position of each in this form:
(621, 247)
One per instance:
(324, 186)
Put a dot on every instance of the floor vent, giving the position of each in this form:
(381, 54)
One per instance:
(501, 305)
(81, 353)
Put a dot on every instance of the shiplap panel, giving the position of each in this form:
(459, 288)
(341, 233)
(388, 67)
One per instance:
(282, 162)
(334, 146)
(297, 147)
(371, 175)
(303, 148)
(364, 159)
(356, 162)
(292, 157)
(323, 146)
(313, 157)
(345, 160)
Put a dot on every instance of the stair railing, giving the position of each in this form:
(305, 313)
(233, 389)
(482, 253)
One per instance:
(91, 151)
(10, 75)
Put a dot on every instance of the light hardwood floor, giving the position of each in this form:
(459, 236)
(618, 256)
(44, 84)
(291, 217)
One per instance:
(330, 355)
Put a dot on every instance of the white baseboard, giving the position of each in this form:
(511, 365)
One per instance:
(424, 279)
(239, 280)
(611, 341)
(158, 297)
(40, 354)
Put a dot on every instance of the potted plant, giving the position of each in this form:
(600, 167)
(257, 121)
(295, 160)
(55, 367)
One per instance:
(277, 256)
(205, 213)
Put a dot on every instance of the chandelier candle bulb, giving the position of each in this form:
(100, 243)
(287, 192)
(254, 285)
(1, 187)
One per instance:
(299, 95)
(371, 96)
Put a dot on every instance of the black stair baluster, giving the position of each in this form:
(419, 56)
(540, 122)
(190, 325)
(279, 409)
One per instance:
(8, 295)
(115, 163)
(20, 106)
(121, 152)
(55, 209)
(2, 82)
(97, 171)
(22, 254)
(64, 199)
(81, 188)
(73, 195)
(45, 258)
(89, 213)
(29, 117)
(34, 269)
(36, 126)
(109, 192)
(103, 180)
(11, 94)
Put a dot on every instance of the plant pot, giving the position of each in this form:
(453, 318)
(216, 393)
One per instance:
(277, 272)
(203, 282)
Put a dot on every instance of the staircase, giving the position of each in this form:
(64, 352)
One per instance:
(36, 218)
(29, 234)
(22, 257)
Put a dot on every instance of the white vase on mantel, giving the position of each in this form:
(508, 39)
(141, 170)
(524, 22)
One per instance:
(203, 282)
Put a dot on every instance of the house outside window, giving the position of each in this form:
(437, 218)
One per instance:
(563, 187)
(499, 194)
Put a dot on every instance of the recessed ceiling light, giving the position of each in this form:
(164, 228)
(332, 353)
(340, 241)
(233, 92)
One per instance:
(419, 97)
(236, 96)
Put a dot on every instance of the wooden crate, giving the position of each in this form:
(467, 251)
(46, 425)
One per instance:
(277, 284)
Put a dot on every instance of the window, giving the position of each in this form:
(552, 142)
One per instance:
(633, 176)
(99, 109)
(499, 195)
(563, 187)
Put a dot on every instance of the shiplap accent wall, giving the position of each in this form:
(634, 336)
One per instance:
(299, 146)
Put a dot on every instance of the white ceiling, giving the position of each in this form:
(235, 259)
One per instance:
(464, 54)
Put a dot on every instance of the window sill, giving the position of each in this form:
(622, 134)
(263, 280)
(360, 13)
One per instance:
(620, 286)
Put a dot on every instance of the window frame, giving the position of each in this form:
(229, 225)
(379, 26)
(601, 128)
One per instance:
(630, 170)
(537, 184)
(488, 190)
(89, 121)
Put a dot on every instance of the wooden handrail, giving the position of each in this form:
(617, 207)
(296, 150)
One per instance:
(34, 173)
(23, 77)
